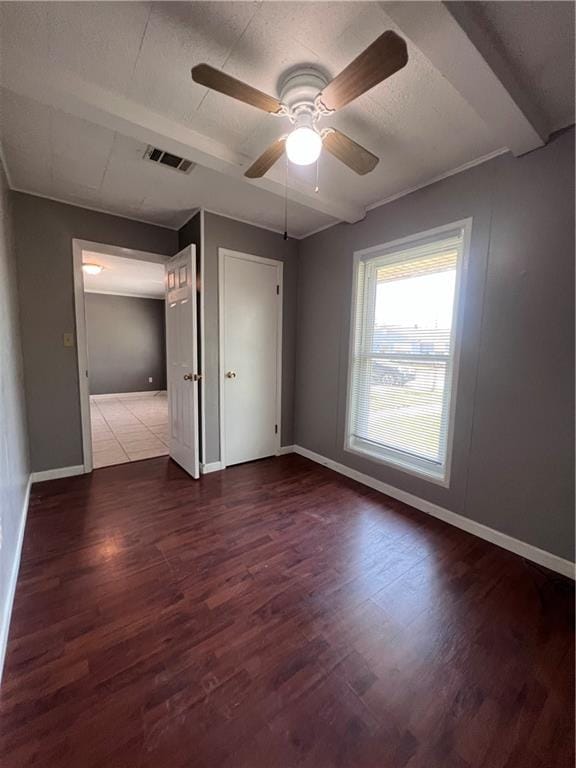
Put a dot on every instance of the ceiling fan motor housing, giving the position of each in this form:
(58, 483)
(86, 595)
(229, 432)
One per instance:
(299, 90)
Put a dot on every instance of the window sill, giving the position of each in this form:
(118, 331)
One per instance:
(396, 462)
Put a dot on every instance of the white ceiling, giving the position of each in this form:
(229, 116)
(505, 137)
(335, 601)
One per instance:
(124, 277)
(87, 85)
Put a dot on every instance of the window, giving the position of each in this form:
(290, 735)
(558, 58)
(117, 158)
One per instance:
(404, 351)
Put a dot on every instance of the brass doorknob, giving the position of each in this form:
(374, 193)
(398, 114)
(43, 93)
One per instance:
(231, 375)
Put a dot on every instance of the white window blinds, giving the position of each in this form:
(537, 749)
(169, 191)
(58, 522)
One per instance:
(403, 352)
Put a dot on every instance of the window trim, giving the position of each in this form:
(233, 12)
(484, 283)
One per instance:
(387, 456)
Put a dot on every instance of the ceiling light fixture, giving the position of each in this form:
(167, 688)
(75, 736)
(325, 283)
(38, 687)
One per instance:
(305, 97)
(303, 146)
(92, 269)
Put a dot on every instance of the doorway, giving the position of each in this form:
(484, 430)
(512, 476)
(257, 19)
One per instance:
(250, 312)
(120, 316)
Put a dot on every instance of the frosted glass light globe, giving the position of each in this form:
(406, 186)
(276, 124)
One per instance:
(92, 269)
(303, 146)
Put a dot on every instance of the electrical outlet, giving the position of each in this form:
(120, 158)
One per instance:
(149, 379)
(68, 339)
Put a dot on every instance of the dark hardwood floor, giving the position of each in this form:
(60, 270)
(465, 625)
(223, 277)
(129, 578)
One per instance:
(276, 615)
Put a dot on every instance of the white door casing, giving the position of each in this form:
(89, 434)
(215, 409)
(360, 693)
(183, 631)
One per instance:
(182, 359)
(250, 315)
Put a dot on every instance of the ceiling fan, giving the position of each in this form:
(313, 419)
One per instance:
(306, 97)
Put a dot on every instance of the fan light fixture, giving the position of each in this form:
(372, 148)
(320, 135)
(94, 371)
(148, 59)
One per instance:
(303, 146)
(92, 269)
(305, 98)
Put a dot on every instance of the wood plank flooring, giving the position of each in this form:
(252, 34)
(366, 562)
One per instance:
(276, 615)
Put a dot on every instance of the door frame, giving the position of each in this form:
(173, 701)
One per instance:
(201, 338)
(78, 246)
(224, 253)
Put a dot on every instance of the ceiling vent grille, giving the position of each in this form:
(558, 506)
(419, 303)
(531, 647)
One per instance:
(156, 155)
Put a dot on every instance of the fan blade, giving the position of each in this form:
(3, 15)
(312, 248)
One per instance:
(266, 160)
(204, 74)
(382, 58)
(349, 152)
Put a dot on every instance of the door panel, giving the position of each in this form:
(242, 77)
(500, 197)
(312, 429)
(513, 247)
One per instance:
(250, 317)
(182, 359)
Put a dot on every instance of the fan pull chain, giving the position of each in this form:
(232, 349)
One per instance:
(317, 187)
(286, 202)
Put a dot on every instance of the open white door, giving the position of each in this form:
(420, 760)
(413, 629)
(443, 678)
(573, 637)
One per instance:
(182, 359)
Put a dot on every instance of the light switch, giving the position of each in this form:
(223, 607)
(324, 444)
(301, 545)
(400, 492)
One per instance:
(68, 339)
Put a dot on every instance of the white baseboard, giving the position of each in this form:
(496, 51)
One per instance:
(55, 474)
(530, 552)
(216, 466)
(7, 608)
(129, 395)
(213, 466)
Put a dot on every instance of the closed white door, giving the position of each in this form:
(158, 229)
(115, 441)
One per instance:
(250, 356)
(181, 359)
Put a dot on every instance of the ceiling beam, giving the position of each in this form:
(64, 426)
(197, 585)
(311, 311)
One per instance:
(111, 110)
(454, 40)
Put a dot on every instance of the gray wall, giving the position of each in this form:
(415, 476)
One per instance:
(513, 459)
(221, 232)
(126, 343)
(14, 466)
(191, 233)
(44, 232)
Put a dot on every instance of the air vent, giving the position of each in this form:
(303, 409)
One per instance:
(166, 158)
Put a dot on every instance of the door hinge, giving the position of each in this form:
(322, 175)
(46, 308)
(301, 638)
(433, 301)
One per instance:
(277, 290)
(275, 429)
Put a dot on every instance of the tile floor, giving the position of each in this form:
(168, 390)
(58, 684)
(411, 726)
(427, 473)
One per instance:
(128, 427)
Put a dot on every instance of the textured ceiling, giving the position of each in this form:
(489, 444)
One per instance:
(537, 38)
(416, 122)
